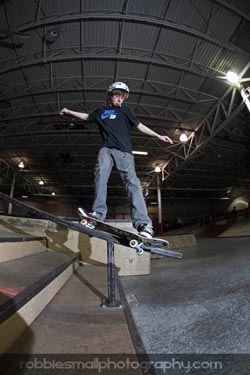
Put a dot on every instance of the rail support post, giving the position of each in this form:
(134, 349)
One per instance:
(110, 302)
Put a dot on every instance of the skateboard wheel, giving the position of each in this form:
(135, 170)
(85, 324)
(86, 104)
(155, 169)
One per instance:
(133, 243)
(83, 222)
(139, 251)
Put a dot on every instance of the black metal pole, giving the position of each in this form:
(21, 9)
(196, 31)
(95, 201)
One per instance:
(110, 302)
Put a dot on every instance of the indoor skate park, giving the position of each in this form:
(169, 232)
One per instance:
(76, 300)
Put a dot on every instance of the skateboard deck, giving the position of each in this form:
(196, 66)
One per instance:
(134, 240)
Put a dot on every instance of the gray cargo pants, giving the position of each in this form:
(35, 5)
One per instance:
(124, 162)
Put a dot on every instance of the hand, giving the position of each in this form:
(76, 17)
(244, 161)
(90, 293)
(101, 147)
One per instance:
(167, 139)
(64, 111)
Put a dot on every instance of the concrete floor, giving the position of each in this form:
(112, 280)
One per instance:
(196, 308)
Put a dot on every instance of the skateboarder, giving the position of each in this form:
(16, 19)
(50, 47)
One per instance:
(115, 121)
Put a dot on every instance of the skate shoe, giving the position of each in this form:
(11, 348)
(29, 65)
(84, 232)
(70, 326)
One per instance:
(94, 215)
(145, 230)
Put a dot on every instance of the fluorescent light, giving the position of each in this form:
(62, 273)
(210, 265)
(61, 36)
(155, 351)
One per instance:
(140, 152)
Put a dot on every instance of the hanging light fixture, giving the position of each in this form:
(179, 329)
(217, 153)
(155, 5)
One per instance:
(232, 77)
(183, 137)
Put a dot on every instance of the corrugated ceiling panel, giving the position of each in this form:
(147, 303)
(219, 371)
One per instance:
(176, 44)
(67, 69)
(100, 34)
(132, 70)
(154, 8)
(8, 57)
(99, 68)
(207, 54)
(192, 81)
(80, 34)
(217, 87)
(223, 30)
(241, 5)
(71, 98)
(241, 38)
(218, 58)
(16, 78)
(103, 5)
(204, 16)
(18, 11)
(139, 36)
(32, 46)
(190, 13)
(58, 7)
(69, 36)
(164, 74)
(36, 73)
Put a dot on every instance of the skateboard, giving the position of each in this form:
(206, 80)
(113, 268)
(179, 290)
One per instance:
(134, 240)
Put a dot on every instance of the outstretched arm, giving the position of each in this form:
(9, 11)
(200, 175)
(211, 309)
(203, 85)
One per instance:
(144, 129)
(81, 115)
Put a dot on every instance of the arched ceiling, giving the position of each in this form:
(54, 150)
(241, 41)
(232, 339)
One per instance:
(173, 54)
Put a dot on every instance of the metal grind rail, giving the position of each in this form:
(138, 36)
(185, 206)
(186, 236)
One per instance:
(111, 239)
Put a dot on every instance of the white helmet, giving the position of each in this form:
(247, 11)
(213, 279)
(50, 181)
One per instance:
(118, 86)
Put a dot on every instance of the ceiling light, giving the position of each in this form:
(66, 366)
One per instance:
(140, 152)
(232, 77)
(157, 169)
(21, 165)
(53, 193)
(41, 182)
(183, 137)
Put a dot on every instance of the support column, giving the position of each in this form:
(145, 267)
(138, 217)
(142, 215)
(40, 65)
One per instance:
(110, 302)
(160, 224)
(12, 188)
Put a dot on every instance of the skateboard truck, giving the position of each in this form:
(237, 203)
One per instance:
(138, 246)
(84, 222)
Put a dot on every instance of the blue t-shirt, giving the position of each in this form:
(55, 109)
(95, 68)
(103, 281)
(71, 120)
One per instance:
(115, 125)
